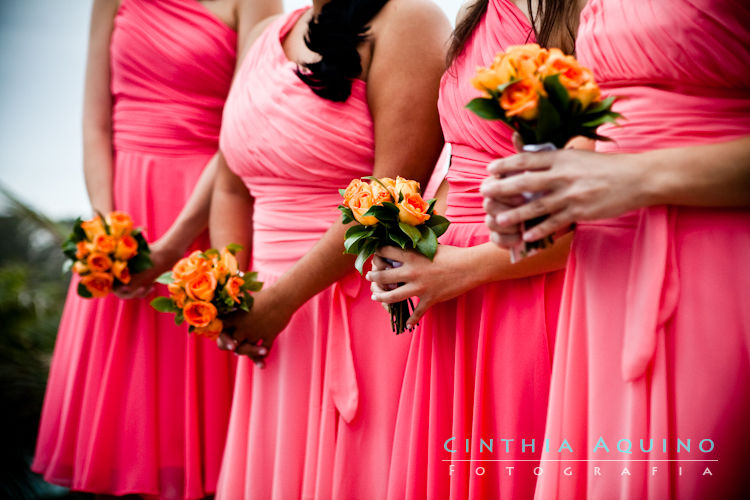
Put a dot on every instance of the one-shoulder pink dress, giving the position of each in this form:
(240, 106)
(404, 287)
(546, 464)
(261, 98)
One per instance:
(651, 381)
(479, 365)
(317, 421)
(134, 404)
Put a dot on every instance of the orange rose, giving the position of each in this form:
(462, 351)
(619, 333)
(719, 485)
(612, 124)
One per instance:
(486, 79)
(104, 243)
(578, 80)
(201, 287)
(225, 266)
(80, 268)
(83, 248)
(233, 287)
(521, 99)
(360, 204)
(126, 248)
(191, 267)
(212, 330)
(352, 190)
(99, 284)
(406, 186)
(199, 313)
(381, 193)
(177, 293)
(93, 227)
(520, 61)
(413, 209)
(98, 262)
(121, 271)
(119, 223)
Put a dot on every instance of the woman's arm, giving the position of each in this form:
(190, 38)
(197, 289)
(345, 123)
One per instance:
(587, 186)
(97, 108)
(403, 79)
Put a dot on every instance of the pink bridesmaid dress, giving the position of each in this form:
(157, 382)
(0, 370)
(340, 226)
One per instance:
(317, 421)
(479, 365)
(134, 404)
(654, 329)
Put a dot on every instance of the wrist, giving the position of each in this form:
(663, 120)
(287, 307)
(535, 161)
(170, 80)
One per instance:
(649, 180)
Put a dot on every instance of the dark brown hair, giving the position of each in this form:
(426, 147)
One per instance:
(555, 24)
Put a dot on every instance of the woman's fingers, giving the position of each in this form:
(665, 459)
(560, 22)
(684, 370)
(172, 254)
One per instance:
(521, 162)
(225, 342)
(401, 293)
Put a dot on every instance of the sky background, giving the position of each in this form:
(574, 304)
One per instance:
(42, 61)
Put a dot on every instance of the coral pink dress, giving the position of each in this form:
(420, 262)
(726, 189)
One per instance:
(479, 365)
(654, 329)
(134, 404)
(318, 421)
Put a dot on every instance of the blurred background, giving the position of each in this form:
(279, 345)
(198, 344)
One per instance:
(42, 59)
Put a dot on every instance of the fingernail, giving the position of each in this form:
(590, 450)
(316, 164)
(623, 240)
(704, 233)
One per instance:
(488, 219)
(495, 238)
(258, 364)
(501, 219)
(530, 236)
(262, 351)
(374, 297)
(367, 276)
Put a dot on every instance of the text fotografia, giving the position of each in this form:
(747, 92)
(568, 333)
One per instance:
(603, 446)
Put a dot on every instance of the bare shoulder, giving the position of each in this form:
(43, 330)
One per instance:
(463, 11)
(255, 33)
(410, 19)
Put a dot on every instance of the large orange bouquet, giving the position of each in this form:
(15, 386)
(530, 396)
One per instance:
(548, 98)
(390, 212)
(105, 252)
(205, 287)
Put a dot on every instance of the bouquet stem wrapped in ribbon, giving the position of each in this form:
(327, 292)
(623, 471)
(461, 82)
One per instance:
(105, 252)
(205, 287)
(548, 98)
(390, 212)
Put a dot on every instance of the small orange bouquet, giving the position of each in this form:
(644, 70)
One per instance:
(548, 98)
(105, 252)
(205, 287)
(390, 212)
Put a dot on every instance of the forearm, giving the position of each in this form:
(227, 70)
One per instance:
(231, 215)
(319, 268)
(487, 262)
(714, 175)
(193, 218)
(98, 169)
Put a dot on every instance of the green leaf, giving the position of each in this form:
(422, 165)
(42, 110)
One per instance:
(603, 105)
(142, 243)
(140, 263)
(254, 286)
(70, 249)
(164, 305)
(234, 248)
(179, 317)
(486, 108)
(428, 244)
(438, 224)
(410, 231)
(431, 205)
(365, 253)
(347, 215)
(165, 278)
(342, 192)
(558, 94)
(353, 238)
(78, 233)
(596, 122)
(383, 212)
(548, 122)
(398, 238)
(210, 253)
(400, 197)
(83, 291)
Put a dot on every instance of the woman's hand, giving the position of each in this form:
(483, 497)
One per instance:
(254, 332)
(163, 257)
(434, 281)
(578, 185)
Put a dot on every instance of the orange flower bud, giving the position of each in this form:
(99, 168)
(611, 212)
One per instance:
(93, 227)
(233, 288)
(121, 271)
(413, 210)
(126, 248)
(521, 99)
(177, 293)
(212, 330)
(98, 283)
(98, 262)
(83, 248)
(201, 287)
(120, 223)
(199, 314)
(80, 268)
(104, 243)
(191, 267)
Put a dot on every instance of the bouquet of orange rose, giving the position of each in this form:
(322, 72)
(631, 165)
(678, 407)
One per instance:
(105, 252)
(205, 287)
(548, 98)
(390, 212)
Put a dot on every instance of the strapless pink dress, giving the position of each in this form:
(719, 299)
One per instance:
(134, 404)
(318, 421)
(479, 365)
(654, 329)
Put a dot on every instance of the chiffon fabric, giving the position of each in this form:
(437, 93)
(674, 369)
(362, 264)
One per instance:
(317, 421)
(134, 404)
(479, 365)
(654, 329)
